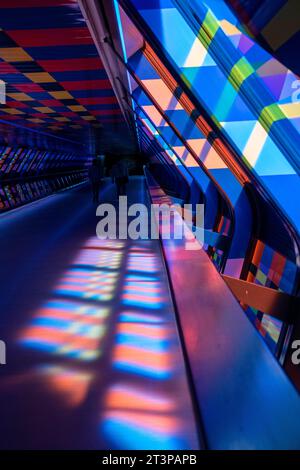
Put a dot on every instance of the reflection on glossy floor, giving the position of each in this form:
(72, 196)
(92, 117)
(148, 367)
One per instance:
(93, 354)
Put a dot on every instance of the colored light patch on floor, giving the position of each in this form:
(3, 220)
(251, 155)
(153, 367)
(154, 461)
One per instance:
(150, 418)
(68, 383)
(143, 262)
(139, 430)
(142, 292)
(99, 258)
(156, 332)
(107, 244)
(67, 329)
(87, 284)
(140, 317)
(126, 396)
(143, 348)
(141, 361)
(146, 343)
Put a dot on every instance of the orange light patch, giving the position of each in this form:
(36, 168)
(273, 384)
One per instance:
(162, 94)
(197, 145)
(153, 422)
(140, 357)
(128, 398)
(190, 161)
(144, 330)
(71, 384)
(154, 115)
(213, 161)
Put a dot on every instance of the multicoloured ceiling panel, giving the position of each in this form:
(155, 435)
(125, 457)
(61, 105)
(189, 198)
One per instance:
(55, 80)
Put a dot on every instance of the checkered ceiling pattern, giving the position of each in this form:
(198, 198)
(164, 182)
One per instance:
(55, 80)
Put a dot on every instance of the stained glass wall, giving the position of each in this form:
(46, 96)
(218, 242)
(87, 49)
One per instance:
(224, 110)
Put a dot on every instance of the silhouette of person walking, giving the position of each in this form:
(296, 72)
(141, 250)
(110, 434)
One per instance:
(119, 174)
(95, 176)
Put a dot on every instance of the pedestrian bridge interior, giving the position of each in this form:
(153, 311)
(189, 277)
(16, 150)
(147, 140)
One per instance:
(144, 344)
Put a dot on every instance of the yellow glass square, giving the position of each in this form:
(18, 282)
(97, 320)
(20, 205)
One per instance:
(61, 95)
(40, 77)
(44, 110)
(12, 111)
(77, 108)
(20, 96)
(14, 54)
